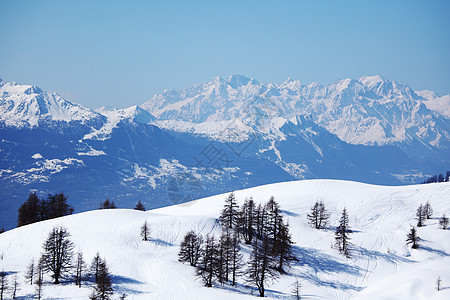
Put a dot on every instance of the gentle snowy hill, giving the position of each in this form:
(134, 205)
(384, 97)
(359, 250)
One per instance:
(381, 267)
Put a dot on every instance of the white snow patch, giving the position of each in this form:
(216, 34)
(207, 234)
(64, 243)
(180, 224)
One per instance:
(92, 152)
(44, 169)
(37, 156)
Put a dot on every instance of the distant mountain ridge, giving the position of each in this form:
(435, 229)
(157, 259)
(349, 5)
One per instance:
(367, 111)
(214, 137)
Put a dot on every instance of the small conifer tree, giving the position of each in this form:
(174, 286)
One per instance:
(443, 222)
(30, 272)
(80, 269)
(191, 248)
(140, 206)
(318, 217)
(58, 253)
(3, 284)
(427, 210)
(412, 238)
(103, 288)
(420, 215)
(296, 287)
(341, 235)
(229, 216)
(145, 231)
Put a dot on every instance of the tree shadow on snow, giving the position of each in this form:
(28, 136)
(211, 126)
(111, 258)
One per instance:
(372, 254)
(26, 297)
(118, 281)
(162, 243)
(436, 251)
(320, 262)
(328, 283)
(289, 213)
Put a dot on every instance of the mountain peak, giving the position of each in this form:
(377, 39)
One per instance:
(28, 104)
(291, 84)
(217, 79)
(314, 85)
(427, 94)
(237, 80)
(371, 81)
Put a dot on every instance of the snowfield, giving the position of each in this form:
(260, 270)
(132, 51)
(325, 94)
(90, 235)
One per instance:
(381, 267)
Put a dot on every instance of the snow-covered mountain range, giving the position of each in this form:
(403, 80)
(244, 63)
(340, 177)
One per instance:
(367, 111)
(382, 266)
(222, 135)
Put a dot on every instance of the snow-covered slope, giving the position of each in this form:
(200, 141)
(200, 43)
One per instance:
(114, 117)
(433, 102)
(381, 267)
(27, 105)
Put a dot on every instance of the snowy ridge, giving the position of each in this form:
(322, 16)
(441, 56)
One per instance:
(115, 116)
(27, 105)
(436, 103)
(382, 266)
(134, 113)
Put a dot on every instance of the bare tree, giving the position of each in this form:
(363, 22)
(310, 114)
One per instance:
(3, 284)
(40, 279)
(30, 272)
(221, 263)
(236, 258)
(261, 265)
(58, 253)
(412, 238)
(95, 266)
(296, 288)
(229, 215)
(260, 221)
(341, 235)
(191, 248)
(443, 222)
(103, 288)
(318, 217)
(15, 287)
(282, 248)
(420, 215)
(246, 220)
(145, 231)
(80, 269)
(427, 210)
(206, 267)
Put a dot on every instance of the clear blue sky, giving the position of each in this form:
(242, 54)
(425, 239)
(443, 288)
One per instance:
(120, 53)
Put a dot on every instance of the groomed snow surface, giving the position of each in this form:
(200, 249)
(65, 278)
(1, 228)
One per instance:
(381, 267)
